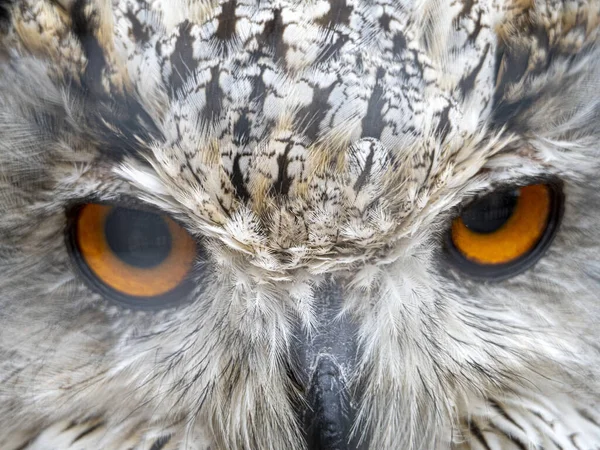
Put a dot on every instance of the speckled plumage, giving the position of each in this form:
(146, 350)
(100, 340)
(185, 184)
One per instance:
(300, 141)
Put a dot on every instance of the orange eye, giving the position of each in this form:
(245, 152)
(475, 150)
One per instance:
(134, 254)
(507, 231)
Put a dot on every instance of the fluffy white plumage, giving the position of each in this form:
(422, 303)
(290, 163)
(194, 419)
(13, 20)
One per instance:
(302, 142)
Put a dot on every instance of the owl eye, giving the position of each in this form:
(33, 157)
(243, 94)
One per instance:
(505, 232)
(134, 257)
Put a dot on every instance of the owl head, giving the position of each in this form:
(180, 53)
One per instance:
(324, 224)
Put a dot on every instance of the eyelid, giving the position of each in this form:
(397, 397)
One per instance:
(552, 181)
(121, 201)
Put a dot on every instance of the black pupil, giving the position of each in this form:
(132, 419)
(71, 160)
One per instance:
(140, 239)
(491, 212)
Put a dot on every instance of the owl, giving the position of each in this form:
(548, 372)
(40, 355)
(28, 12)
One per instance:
(299, 224)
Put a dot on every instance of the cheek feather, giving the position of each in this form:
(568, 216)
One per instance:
(256, 200)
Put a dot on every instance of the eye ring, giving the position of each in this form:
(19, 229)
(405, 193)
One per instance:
(161, 283)
(497, 269)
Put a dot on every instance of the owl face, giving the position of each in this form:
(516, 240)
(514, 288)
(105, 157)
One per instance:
(299, 225)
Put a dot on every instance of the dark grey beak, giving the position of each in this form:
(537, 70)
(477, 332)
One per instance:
(326, 360)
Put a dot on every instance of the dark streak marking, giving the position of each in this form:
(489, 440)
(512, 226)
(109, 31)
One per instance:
(467, 8)
(505, 112)
(25, 445)
(543, 42)
(223, 207)
(331, 50)
(272, 36)
(429, 26)
(117, 126)
(583, 413)
(314, 113)
(183, 62)
(5, 8)
(339, 13)
(129, 124)
(503, 413)
(360, 63)
(476, 432)
(241, 130)
(478, 27)
(519, 444)
(366, 172)
(160, 442)
(72, 424)
(468, 83)
(399, 42)
(550, 423)
(572, 437)
(443, 126)
(227, 20)
(511, 438)
(384, 22)
(418, 64)
(372, 122)
(86, 432)
(214, 97)
(512, 65)
(283, 183)
(514, 440)
(259, 89)
(237, 179)
(194, 174)
(84, 30)
(139, 32)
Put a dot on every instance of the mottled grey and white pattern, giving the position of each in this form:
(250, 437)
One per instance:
(302, 143)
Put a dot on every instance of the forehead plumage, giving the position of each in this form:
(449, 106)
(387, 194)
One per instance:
(301, 127)
(269, 106)
(303, 173)
(306, 124)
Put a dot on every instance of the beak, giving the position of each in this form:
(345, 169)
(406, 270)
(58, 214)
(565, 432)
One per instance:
(325, 361)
